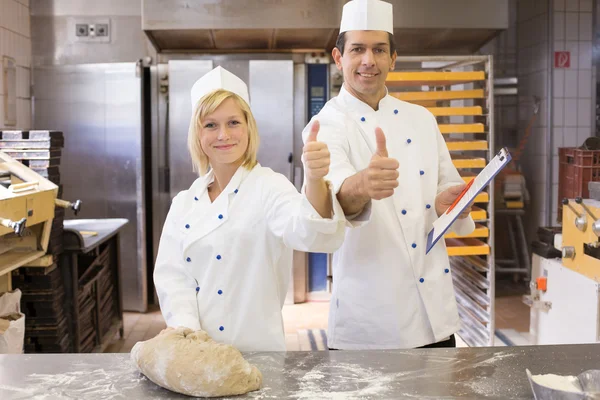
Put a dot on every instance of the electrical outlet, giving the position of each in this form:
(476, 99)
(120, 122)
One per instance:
(90, 30)
(81, 30)
(101, 29)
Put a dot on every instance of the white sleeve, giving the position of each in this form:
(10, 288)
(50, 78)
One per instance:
(340, 168)
(175, 286)
(448, 176)
(291, 217)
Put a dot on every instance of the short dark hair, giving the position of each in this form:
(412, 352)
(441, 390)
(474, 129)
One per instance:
(340, 43)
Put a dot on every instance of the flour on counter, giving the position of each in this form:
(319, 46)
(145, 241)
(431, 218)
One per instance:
(344, 382)
(497, 357)
(558, 382)
(79, 384)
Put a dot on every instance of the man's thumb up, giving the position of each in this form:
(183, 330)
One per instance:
(381, 145)
(314, 131)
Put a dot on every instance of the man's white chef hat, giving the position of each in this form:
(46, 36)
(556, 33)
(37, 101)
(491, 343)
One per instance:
(219, 78)
(367, 15)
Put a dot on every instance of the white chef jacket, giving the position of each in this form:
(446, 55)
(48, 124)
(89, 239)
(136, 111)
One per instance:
(225, 266)
(387, 293)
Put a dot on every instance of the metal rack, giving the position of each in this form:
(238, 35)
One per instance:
(459, 92)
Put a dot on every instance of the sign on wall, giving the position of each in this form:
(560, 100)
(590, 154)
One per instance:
(562, 59)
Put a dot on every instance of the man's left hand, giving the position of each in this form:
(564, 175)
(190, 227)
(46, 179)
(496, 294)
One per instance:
(447, 197)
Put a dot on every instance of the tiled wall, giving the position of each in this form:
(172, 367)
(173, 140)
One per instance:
(573, 94)
(534, 74)
(570, 92)
(15, 42)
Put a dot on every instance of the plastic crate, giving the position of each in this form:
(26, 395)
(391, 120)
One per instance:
(576, 169)
(579, 157)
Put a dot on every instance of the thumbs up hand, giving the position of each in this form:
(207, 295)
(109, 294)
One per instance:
(315, 155)
(381, 176)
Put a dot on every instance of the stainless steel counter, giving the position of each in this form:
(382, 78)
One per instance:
(473, 373)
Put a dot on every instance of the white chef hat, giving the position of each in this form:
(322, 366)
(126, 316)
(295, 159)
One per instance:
(367, 15)
(219, 78)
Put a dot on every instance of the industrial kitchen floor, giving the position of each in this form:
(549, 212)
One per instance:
(306, 324)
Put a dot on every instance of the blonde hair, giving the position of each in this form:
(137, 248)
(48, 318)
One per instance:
(206, 106)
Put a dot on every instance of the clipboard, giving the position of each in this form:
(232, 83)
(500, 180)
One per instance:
(473, 188)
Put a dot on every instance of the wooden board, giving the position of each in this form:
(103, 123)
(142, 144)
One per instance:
(442, 95)
(468, 162)
(582, 263)
(467, 247)
(433, 78)
(462, 128)
(478, 214)
(455, 111)
(481, 231)
(12, 260)
(466, 145)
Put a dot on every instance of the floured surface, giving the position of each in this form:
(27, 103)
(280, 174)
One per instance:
(476, 373)
(557, 382)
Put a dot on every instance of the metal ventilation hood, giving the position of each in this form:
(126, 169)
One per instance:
(226, 26)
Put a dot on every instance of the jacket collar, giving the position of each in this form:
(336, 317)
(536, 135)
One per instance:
(358, 106)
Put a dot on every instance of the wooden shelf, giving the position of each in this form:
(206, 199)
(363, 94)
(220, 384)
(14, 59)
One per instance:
(467, 176)
(443, 95)
(467, 247)
(466, 145)
(436, 78)
(462, 128)
(478, 214)
(468, 162)
(455, 111)
(12, 260)
(481, 231)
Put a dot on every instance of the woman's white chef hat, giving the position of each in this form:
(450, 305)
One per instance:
(219, 78)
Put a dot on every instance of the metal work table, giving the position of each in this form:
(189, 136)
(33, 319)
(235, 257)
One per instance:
(471, 373)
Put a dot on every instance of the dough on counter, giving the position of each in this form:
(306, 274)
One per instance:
(558, 382)
(191, 363)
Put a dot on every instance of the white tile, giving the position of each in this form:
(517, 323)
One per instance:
(585, 55)
(559, 26)
(1, 112)
(585, 5)
(571, 5)
(540, 198)
(585, 26)
(557, 139)
(570, 83)
(554, 196)
(28, 23)
(524, 38)
(2, 13)
(558, 89)
(559, 45)
(584, 112)
(570, 137)
(540, 27)
(572, 26)
(559, 5)
(539, 168)
(558, 112)
(543, 57)
(555, 169)
(585, 84)
(573, 48)
(582, 134)
(542, 120)
(539, 141)
(570, 112)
